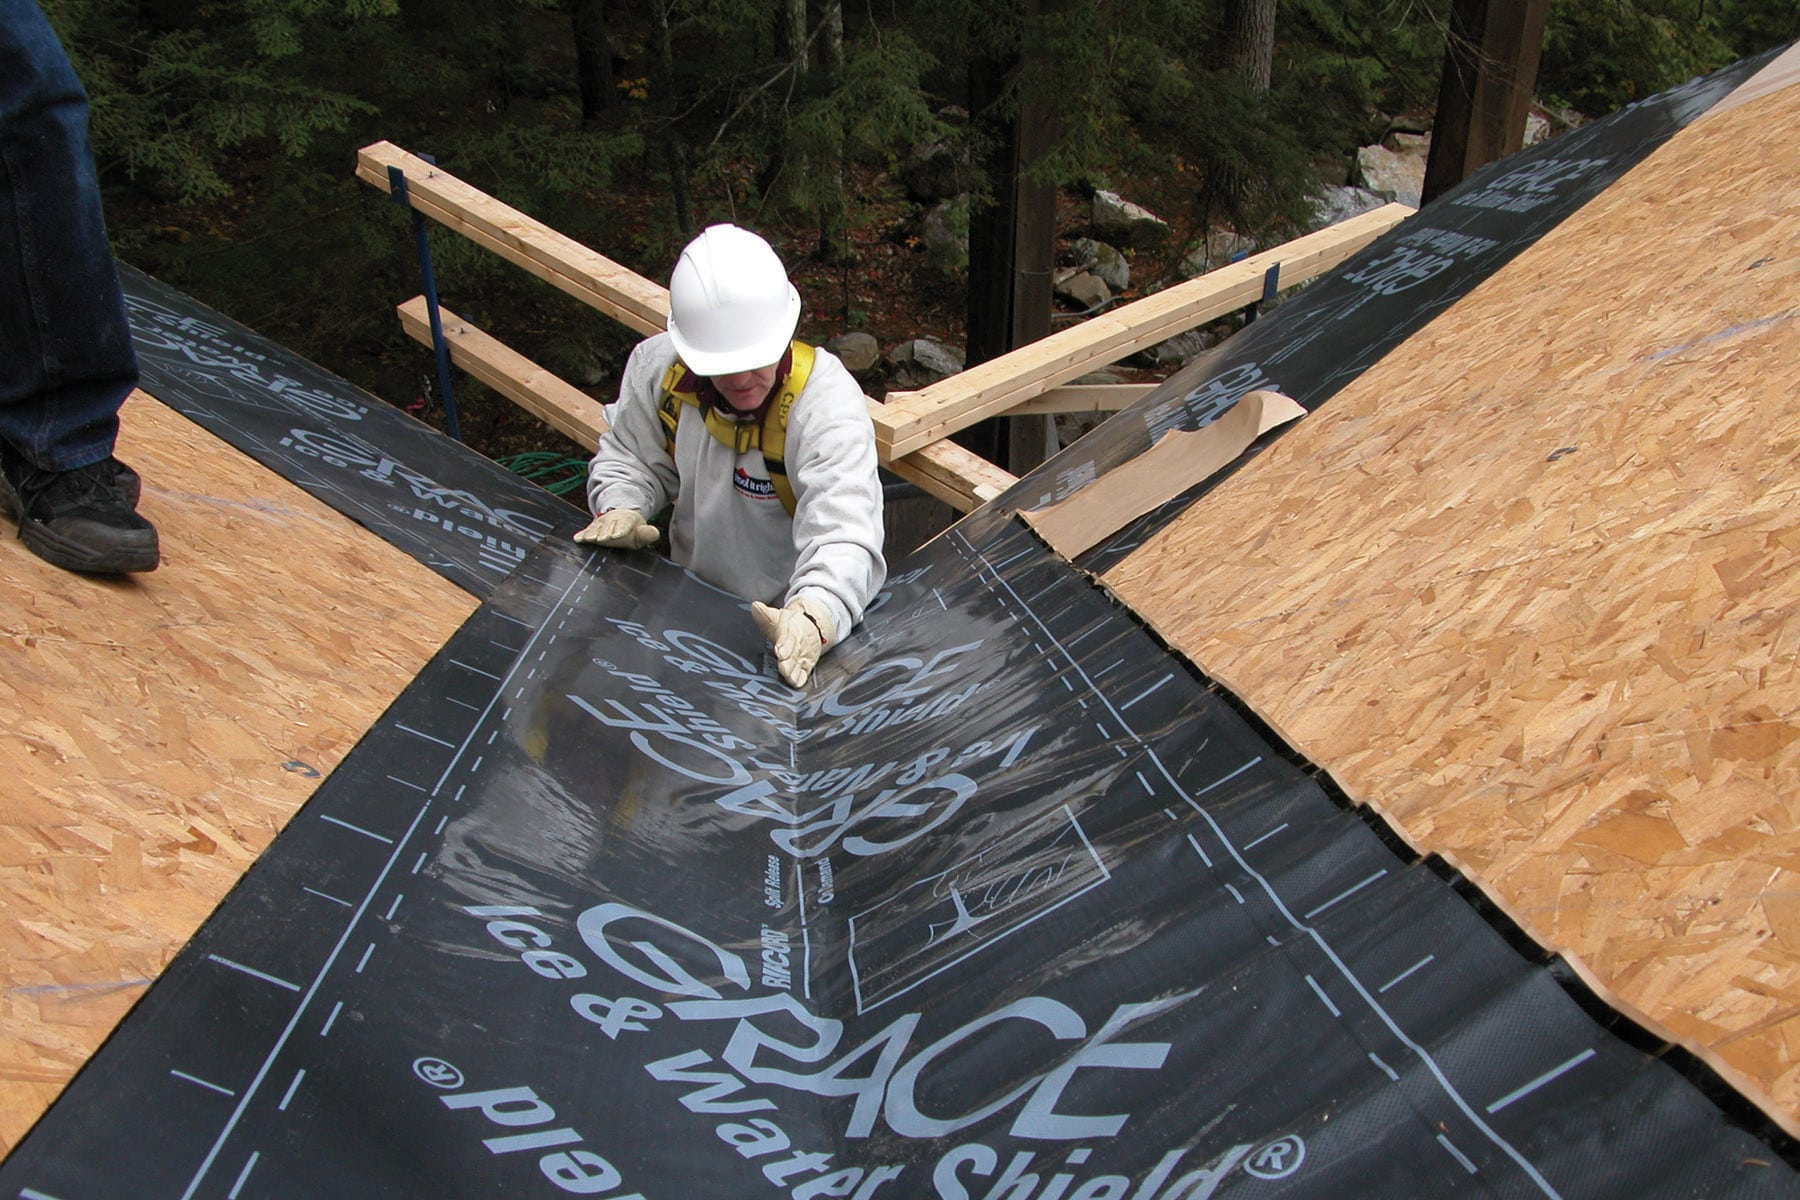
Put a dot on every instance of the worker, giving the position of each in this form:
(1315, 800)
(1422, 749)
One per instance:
(762, 444)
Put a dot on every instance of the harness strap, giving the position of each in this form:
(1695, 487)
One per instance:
(769, 436)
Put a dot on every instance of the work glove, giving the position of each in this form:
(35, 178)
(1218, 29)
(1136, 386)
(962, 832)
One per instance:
(799, 633)
(623, 528)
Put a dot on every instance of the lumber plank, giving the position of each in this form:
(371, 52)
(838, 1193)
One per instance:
(1083, 398)
(959, 477)
(559, 404)
(910, 420)
(553, 257)
(954, 475)
(1530, 588)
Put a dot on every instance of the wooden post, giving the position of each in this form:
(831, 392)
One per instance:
(1012, 251)
(1490, 68)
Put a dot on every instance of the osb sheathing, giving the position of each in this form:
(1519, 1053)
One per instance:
(1531, 589)
(160, 730)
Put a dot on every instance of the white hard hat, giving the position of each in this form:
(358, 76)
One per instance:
(731, 307)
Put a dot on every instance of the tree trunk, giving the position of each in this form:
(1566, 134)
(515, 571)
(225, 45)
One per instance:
(834, 241)
(1012, 240)
(790, 34)
(1250, 43)
(674, 150)
(1249, 54)
(1490, 69)
(593, 59)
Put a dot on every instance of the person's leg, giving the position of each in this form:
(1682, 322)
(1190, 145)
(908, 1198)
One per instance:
(66, 359)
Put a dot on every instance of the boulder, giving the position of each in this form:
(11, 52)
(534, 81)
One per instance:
(859, 352)
(922, 361)
(1102, 260)
(1120, 221)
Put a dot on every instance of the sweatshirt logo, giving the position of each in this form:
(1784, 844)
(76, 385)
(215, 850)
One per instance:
(749, 485)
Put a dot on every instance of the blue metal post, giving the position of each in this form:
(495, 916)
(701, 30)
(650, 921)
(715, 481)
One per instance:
(397, 189)
(1271, 287)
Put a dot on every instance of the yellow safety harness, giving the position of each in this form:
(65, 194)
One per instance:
(769, 435)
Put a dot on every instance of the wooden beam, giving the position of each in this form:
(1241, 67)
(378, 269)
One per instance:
(910, 420)
(958, 477)
(963, 480)
(1084, 398)
(555, 258)
(562, 406)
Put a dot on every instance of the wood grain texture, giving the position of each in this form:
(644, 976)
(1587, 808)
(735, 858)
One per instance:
(162, 729)
(1530, 587)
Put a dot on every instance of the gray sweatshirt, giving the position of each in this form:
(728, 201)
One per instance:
(728, 525)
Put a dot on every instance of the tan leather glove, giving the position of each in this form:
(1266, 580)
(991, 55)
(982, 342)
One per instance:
(799, 633)
(623, 528)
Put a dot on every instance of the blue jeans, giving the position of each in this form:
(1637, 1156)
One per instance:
(66, 360)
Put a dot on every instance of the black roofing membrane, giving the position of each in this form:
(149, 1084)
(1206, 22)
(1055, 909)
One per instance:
(1008, 904)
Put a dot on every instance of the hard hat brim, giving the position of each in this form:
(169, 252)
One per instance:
(752, 356)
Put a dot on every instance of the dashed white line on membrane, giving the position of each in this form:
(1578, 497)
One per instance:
(1320, 993)
(254, 973)
(195, 1079)
(364, 960)
(1194, 842)
(392, 908)
(292, 1088)
(358, 829)
(1147, 691)
(1422, 963)
(1347, 892)
(1528, 1088)
(1458, 1155)
(243, 1175)
(1265, 837)
(1385, 1069)
(330, 1020)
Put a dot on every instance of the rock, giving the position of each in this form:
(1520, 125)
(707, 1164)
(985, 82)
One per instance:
(1102, 260)
(1086, 291)
(1336, 204)
(920, 362)
(944, 235)
(1120, 221)
(1390, 175)
(1414, 145)
(934, 171)
(1177, 351)
(859, 352)
(1221, 246)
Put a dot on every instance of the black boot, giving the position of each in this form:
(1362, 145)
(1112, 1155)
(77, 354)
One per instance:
(83, 519)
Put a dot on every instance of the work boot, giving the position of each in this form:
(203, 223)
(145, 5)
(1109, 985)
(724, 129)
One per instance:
(83, 519)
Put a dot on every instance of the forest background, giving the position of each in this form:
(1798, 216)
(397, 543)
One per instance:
(226, 133)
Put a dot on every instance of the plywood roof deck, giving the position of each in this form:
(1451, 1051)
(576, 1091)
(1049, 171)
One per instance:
(162, 729)
(1530, 587)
